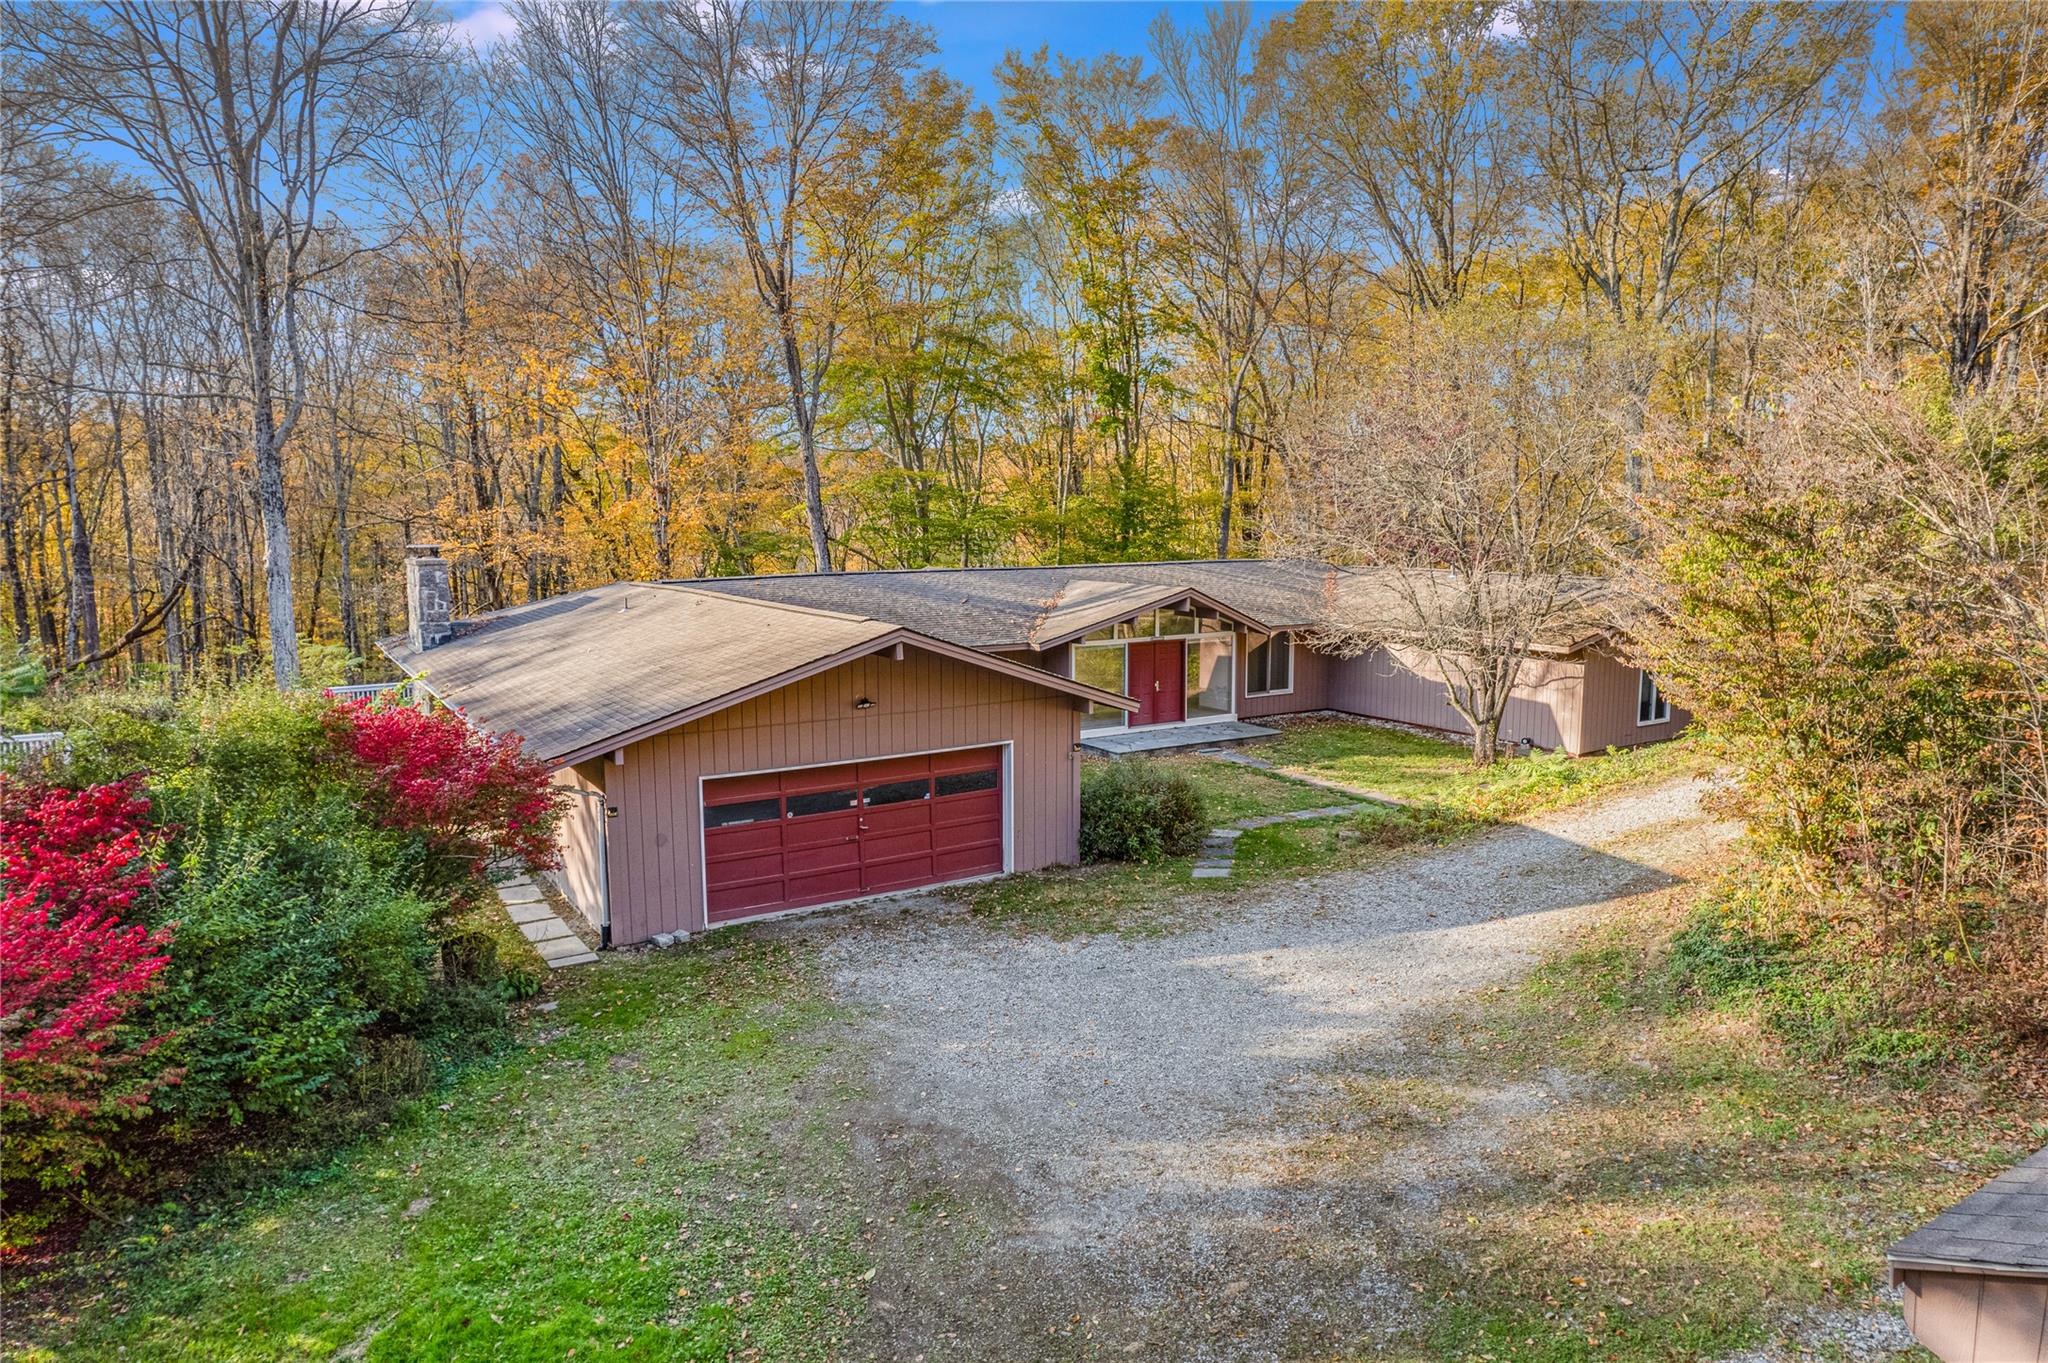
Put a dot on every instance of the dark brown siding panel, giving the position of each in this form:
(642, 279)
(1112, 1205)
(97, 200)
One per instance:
(920, 703)
(1610, 717)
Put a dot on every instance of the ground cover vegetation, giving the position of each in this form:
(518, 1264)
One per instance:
(627, 1178)
(1683, 1184)
(238, 924)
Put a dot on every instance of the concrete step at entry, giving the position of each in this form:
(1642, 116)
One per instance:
(548, 929)
(564, 951)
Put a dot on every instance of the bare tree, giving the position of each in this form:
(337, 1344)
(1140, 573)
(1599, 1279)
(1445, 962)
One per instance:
(1411, 109)
(759, 100)
(1647, 116)
(242, 114)
(1234, 188)
(1471, 487)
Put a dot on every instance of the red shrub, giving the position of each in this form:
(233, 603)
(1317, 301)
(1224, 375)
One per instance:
(472, 795)
(71, 972)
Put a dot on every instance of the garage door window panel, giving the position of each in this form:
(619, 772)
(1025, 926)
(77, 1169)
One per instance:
(897, 792)
(743, 812)
(813, 803)
(965, 782)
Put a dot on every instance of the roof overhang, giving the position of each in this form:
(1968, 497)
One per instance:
(894, 639)
(1925, 1264)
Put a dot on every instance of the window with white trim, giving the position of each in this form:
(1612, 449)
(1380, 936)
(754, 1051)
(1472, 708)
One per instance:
(1269, 666)
(1652, 707)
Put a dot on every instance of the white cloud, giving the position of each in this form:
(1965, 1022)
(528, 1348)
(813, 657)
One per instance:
(485, 25)
(1506, 24)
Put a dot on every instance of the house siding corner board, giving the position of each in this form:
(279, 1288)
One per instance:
(1402, 686)
(580, 837)
(922, 703)
(1967, 1317)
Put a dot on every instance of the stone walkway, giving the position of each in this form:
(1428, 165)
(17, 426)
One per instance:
(1218, 857)
(538, 922)
(1245, 759)
(1219, 851)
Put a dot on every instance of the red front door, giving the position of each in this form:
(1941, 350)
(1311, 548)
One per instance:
(785, 839)
(1155, 678)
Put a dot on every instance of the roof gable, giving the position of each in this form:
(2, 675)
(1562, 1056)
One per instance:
(585, 672)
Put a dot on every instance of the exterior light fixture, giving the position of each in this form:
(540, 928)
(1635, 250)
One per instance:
(863, 704)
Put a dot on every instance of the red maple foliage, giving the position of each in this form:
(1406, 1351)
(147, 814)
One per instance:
(72, 862)
(473, 796)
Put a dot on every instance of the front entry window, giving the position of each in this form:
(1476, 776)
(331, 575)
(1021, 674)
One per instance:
(1101, 666)
(1209, 680)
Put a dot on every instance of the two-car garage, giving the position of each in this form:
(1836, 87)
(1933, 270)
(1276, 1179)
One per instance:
(816, 835)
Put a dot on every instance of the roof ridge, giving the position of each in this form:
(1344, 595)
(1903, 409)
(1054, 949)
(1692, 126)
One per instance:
(690, 589)
(982, 568)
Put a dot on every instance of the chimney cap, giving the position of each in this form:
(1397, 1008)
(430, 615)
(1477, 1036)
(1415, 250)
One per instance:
(423, 551)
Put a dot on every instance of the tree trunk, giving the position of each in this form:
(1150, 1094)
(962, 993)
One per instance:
(814, 489)
(85, 600)
(1486, 742)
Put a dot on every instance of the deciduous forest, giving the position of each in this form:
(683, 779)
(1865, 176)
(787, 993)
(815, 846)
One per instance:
(671, 290)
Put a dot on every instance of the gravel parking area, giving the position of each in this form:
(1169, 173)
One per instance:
(1111, 1118)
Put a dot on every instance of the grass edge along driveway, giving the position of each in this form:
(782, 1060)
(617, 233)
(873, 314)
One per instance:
(649, 1176)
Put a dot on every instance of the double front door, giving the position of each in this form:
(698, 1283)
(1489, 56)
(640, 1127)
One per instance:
(1156, 677)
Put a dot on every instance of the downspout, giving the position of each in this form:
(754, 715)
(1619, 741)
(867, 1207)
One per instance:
(604, 873)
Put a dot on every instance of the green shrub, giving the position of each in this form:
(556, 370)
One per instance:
(295, 939)
(1140, 811)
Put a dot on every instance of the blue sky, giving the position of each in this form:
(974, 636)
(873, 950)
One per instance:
(974, 35)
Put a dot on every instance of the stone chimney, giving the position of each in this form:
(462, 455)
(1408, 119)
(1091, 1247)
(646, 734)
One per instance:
(429, 607)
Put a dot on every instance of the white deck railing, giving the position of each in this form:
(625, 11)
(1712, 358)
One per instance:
(30, 745)
(377, 693)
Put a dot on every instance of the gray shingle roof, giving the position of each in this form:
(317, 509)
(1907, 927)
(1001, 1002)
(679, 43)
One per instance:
(2003, 1225)
(1020, 607)
(574, 670)
(576, 673)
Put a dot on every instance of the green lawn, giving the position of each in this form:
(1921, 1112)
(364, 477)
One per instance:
(640, 1180)
(1426, 770)
(1449, 799)
(1233, 791)
(1701, 1185)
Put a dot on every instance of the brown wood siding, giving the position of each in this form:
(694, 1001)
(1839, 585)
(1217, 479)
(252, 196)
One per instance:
(922, 703)
(579, 836)
(1311, 683)
(1977, 1317)
(1610, 717)
(1401, 686)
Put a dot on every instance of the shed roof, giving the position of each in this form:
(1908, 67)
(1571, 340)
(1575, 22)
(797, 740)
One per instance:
(2000, 1228)
(581, 673)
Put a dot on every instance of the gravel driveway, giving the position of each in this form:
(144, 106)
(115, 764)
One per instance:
(1108, 1118)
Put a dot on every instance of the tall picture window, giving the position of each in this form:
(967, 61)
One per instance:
(1269, 666)
(1651, 705)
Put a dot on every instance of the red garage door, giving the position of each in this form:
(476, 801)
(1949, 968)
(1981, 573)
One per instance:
(786, 839)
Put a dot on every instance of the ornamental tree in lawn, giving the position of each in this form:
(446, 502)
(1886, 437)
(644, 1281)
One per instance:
(72, 863)
(470, 795)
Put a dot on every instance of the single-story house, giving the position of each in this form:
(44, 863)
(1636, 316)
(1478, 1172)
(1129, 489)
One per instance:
(1974, 1280)
(748, 746)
